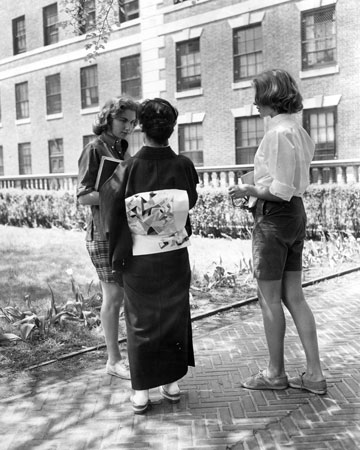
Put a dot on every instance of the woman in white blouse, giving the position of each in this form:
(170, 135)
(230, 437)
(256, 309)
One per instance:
(281, 175)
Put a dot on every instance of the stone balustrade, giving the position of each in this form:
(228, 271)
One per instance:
(330, 171)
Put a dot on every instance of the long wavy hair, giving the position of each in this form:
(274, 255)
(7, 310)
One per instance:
(112, 109)
(277, 88)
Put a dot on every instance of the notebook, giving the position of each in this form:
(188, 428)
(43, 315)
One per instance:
(106, 169)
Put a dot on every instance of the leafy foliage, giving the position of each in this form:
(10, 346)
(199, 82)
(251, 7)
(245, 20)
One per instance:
(35, 325)
(97, 24)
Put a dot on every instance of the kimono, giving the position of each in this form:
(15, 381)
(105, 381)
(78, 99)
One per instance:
(144, 209)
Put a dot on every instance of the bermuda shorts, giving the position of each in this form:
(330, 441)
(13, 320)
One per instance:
(278, 238)
(99, 254)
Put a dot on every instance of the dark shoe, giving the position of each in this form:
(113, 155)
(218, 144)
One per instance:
(316, 387)
(118, 369)
(260, 381)
(172, 398)
(140, 409)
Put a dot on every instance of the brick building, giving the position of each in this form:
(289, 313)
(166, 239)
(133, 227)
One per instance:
(199, 54)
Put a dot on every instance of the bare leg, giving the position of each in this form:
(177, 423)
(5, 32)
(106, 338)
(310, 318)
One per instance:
(113, 295)
(269, 292)
(294, 300)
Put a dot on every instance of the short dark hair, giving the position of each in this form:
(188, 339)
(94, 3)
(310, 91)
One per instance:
(277, 88)
(157, 118)
(112, 108)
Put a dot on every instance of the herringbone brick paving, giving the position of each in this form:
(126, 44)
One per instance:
(92, 410)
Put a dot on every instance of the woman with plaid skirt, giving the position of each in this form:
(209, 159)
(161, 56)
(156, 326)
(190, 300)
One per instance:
(112, 126)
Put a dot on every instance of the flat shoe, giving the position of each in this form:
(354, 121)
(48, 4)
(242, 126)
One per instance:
(172, 398)
(118, 369)
(140, 409)
(260, 381)
(316, 387)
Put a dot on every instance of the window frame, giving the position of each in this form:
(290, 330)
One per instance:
(56, 157)
(127, 84)
(25, 163)
(247, 54)
(87, 21)
(124, 9)
(322, 148)
(195, 155)
(17, 36)
(53, 97)
(22, 103)
(181, 84)
(250, 149)
(305, 41)
(88, 91)
(51, 30)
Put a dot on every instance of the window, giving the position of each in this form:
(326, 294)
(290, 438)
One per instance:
(50, 18)
(1, 161)
(87, 139)
(131, 76)
(191, 142)
(178, 1)
(248, 55)
(53, 94)
(188, 70)
(318, 38)
(19, 35)
(128, 10)
(22, 100)
(320, 124)
(248, 133)
(24, 158)
(89, 87)
(56, 156)
(87, 16)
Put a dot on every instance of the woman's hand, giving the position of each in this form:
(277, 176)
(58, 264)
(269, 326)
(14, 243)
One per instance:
(238, 191)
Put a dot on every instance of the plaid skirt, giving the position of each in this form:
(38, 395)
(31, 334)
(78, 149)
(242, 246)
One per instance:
(99, 254)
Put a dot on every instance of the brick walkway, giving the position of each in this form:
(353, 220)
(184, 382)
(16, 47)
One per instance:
(92, 411)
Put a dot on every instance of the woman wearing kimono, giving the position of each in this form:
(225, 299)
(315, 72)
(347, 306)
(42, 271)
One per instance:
(144, 208)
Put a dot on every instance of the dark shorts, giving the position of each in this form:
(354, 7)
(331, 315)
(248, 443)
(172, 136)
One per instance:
(278, 238)
(99, 254)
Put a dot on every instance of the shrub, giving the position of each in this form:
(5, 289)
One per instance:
(330, 208)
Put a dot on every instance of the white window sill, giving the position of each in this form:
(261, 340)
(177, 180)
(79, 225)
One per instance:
(93, 110)
(22, 121)
(319, 72)
(242, 84)
(190, 93)
(54, 116)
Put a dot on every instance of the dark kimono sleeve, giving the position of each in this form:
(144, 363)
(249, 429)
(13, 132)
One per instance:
(192, 181)
(113, 218)
(88, 163)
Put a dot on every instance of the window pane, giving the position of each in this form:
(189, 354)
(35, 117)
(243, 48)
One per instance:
(248, 57)
(318, 37)
(188, 68)
(53, 94)
(56, 156)
(248, 133)
(320, 124)
(24, 154)
(89, 87)
(19, 35)
(50, 16)
(128, 10)
(131, 76)
(191, 142)
(22, 101)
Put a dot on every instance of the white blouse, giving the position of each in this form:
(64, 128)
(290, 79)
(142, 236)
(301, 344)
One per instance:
(282, 161)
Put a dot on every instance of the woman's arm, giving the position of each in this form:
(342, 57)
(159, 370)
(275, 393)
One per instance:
(92, 198)
(247, 190)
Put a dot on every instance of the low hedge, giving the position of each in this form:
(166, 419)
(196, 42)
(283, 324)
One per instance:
(330, 208)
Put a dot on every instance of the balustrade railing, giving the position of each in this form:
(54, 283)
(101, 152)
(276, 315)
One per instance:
(330, 171)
